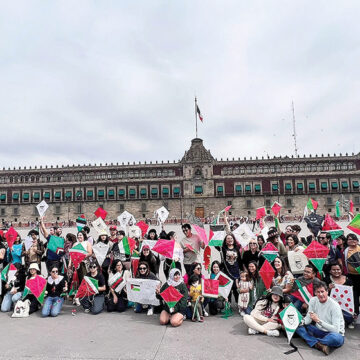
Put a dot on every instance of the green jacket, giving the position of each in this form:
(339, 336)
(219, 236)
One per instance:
(182, 303)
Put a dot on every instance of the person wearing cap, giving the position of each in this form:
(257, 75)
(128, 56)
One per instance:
(323, 326)
(113, 234)
(264, 318)
(273, 237)
(36, 250)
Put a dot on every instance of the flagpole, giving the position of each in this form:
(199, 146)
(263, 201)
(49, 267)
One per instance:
(196, 119)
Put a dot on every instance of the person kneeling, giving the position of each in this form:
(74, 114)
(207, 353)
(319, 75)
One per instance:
(329, 329)
(264, 318)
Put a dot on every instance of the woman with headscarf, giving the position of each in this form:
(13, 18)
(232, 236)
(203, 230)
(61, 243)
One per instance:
(175, 315)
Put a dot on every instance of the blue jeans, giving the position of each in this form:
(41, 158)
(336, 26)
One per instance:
(94, 303)
(312, 335)
(52, 306)
(347, 317)
(9, 300)
(139, 307)
(296, 302)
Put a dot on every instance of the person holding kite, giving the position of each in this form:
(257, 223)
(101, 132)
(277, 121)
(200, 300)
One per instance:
(147, 255)
(103, 239)
(178, 255)
(175, 301)
(56, 285)
(34, 272)
(14, 285)
(329, 329)
(36, 250)
(258, 289)
(215, 304)
(264, 318)
(117, 281)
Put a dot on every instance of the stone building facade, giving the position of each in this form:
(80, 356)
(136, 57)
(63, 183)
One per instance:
(198, 184)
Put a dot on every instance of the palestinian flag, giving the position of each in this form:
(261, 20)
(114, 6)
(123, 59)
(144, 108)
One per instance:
(134, 264)
(88, 287)
(8, 273)
(135, 287)
(117, 282)
(171, 296)
(77, 255)
(127, 245)
(80, 222)
(37, 287)
(355, 224)
(210, 288)
(56, 244)
(303, 293)
(312, 205)
(217, 239)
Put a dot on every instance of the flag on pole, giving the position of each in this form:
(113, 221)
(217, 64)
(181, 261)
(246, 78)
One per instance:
(312, 205)
(199, 112)
(304, 293)
(127, 245)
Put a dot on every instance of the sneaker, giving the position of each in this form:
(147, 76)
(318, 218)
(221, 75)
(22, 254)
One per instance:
(323, 348)
(273, 333)
(76, 302)
(87, 310)
(242, 313)
(201, 319)
(206, 314)
(252, 331)
(352, 325)
(150, 312)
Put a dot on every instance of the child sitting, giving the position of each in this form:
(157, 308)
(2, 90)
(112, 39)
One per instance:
(244, 285)
(196, 298)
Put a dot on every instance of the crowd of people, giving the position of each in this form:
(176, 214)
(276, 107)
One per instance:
(323, 324)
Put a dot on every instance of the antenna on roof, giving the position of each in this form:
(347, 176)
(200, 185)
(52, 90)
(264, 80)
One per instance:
(294, 128)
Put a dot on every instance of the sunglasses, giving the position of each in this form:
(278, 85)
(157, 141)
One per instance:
(142, 268)
(54, 271)
(198, 268)
(93, 267)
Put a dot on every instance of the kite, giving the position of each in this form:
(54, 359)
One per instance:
(201, 232)
(149, 243)
(11, 236)
(267, 273)
(127, 245)
(207, 258)
(243, 234)
(260, 213)
(225, 284)
(355, 224)
(77, 254)
(100, 213)
(165, 248)
(162, 214)
(100, 250)
(291, 319)
(142, 291)
(303, 293)
(354, 261)
(210, 288)
(117, 282)
(217, 239)
(297, 261)
(270, 252)
(8, 273)
(88, 287)
(125, 218)
(314, 222)
(335, 234)
(28, 243)
(80, 222)
(37, 287)
(56, 244)
(42, 207)
(171, 296)
(143, 227)
(344, 296)
(276, 208)
(330, 224)
(100, 226)
(317, 254)
(134, 232)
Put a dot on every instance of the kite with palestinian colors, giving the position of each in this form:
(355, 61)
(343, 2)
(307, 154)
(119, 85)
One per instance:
(267, 273)
(77, 254)
(217, 219)
(303, 292)
(276, 207)
(269, 251)
(80, 222)
(291, 319)
(100, 213)
(125, 218)
(117, 282)
(11, 236)
(260, 213)
(171, 297)
(100, 226)
(88, 287)
(41, 208)
(37, 287)
(332, 227)
(210, 288)
(243, 234)
(100, 250)
(8, 273)
(162, 214)
(355, 224)
(354, 261)
(225, 284)
(165, 248)
(317, 254)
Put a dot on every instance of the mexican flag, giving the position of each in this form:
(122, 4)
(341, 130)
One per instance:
(8, 273)
(88, 287)
(127, 245)
(171, 296)
(355, 224)
(37, 287)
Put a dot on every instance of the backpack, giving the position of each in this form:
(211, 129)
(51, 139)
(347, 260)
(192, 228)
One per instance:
(21, 309)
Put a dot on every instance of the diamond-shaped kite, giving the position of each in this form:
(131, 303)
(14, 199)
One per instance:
(267, 273)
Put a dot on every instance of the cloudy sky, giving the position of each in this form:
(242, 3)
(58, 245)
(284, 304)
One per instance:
(112, 81)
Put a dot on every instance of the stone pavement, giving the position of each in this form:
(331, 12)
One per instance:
(133, 336)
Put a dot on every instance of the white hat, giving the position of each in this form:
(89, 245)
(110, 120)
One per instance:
(34, 266)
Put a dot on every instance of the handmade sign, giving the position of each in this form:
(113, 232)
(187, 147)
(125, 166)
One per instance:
(125, 218)
(317, 254)
(165, 248)
(88, 287)
(171, 296)
(142, 291)
(37, 287)
(355, 224)
(267, 273)
(225, 284)
(100, 226)
(100, 250)
(297, 262)
(100, 213)
(56, 244)
(291, 319)
(77, 254)
(162, 214)
(42, 207)
(243, 234)
(134, 232)
(117, 282)
(210, 288)
(11, 236)
(344, 296)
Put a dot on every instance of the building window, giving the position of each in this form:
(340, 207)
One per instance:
(15, 197)
(198, 190)
(300, 187)
(143, 193)
(257, 188)
(329, 201)
(79, 208)
(220, 190)
(248, 203)
(165, 192)
(275, 187)
(229, 203)
(143, 207)
(111, 194)
(89, 195)
(3, 198)
(288, 188)
(132, 193)
(288, 202)
(344, 185)
(355, 185)
(26, 197)
(324, 186)
(101, 194)
(334, 186)
(247, 189)
(57, 196)
(47, 195)
(57, 209)
(79, 195)
(121, 207)
(3, 212)
(154, 192)
(176, 191)
(121, 193)
(15, 211)
(267, 203)
(311, 187)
